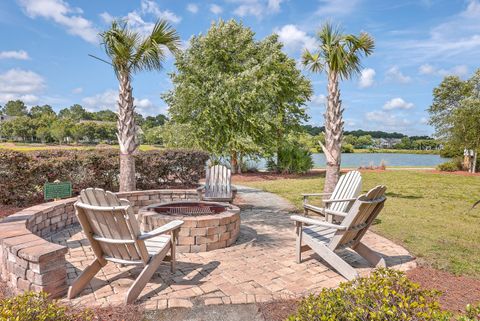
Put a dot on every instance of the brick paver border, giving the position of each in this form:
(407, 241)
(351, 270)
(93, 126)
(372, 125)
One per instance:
(28, 261)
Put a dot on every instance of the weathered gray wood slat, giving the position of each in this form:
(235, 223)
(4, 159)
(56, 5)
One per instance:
(348, 188)
(114, 234)
(326, 238)
(218, 185)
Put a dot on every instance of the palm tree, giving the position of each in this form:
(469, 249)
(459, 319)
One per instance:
(130, 53)
(339, 56)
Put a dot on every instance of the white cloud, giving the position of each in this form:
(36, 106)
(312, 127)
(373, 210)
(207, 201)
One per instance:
(20, 84)
(215, 9)
(249, 9)
(395, 74)
(318, 100)
(397, 103)
(336, 7)
(366, 78)
(257, 8)
(77, 90)
(104, 100)
(274, 5)
(387, 120)
(295, 39)
(459, 70)
(108, 100)
(63, 14)
(456, 36)
(106, 17)
(192, 7)
(20, 55)
(151, 7)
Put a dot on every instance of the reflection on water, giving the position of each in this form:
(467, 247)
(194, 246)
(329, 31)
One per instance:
(356, 160)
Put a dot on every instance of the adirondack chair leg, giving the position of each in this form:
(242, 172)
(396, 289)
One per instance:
(145, 275)
(342, 267)
(84, 278)
(173, 245)
(298, 231)
(370, 255)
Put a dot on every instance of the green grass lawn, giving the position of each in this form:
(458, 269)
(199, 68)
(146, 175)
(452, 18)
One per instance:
(37, 147)
(427, 213)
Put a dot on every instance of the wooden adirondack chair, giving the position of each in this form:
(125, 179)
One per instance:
(340, 200)
(114, 234)
(218, 185)
(326, 238)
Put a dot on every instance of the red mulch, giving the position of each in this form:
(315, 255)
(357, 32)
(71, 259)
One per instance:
(278, 310)
(6, 210)
(458, 291)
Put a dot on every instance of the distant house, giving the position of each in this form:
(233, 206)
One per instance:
(4, 118)
(387, 142)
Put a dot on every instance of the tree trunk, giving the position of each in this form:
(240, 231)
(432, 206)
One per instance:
(333, 133)
(234, 162)
(127, 134)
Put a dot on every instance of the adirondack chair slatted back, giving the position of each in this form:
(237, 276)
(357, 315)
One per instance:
(359, 218)
(348, 186)
(218, 181)
(111, 227)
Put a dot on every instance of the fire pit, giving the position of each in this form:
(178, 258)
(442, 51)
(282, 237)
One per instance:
(208, 225)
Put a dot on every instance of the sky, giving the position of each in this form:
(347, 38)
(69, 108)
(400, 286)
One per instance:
(44, 48)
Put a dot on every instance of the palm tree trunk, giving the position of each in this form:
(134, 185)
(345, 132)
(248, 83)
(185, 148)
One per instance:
(127, 134)
(333, 133)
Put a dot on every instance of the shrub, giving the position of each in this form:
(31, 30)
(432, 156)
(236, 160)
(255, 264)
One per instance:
(347, 148)
(385, 295)
(451, 166)
(22, 175)
(291, 159)
(36, 306)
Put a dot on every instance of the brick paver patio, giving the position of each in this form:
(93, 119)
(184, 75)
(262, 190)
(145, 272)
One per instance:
(259, 267)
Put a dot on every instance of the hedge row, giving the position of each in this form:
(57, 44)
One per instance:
(22, 175)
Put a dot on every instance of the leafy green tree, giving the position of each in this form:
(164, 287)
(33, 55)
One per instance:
(104, 115)
(59, 130)
(42, 111)
(239, 96)
(129, 53)
(455, 111)
(75, 112)
(22, 127)
(339, 56)
(15, 108)
(154, 121)
(43, 133)
(153, 135)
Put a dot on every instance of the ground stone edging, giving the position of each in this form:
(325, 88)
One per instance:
(28, 261)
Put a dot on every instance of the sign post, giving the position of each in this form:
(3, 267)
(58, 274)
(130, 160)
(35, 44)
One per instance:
(57, 190)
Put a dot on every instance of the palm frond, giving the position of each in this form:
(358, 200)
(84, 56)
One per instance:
(312, 62)
(340, 53)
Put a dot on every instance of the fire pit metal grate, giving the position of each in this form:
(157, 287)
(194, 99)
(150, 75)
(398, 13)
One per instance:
(191, 208)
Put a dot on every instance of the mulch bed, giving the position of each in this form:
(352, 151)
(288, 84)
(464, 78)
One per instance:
(6, 210)
(278, 310)
(458, 291)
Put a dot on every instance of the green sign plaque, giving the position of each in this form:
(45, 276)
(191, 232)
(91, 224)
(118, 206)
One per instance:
(57, 190)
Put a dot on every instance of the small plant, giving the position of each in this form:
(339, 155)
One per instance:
(292, 158)
(36, 306)
(386, 295)
(450, 166)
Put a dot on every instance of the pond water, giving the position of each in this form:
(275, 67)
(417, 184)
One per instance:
(356, 160)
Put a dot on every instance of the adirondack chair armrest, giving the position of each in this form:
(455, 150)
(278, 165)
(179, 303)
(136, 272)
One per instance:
(173, 225)
(339, 200)
(200, 188)
(306, 220)
(315, 194)
(336, 213)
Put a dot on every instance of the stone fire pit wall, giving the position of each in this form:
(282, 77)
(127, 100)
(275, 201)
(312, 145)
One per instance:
(28, 261)
(198, 233)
